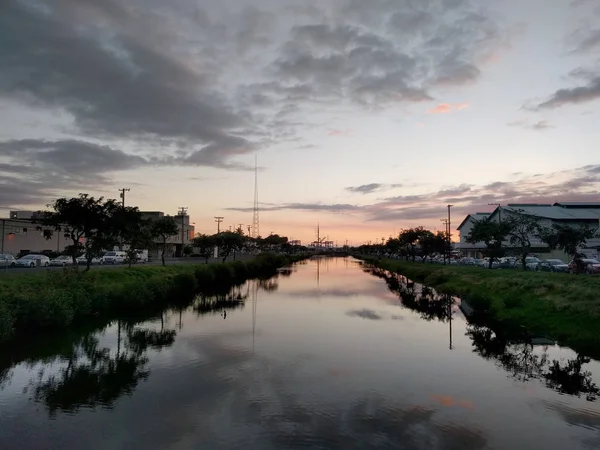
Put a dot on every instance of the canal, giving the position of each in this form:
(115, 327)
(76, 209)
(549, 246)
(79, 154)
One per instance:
(323, 356)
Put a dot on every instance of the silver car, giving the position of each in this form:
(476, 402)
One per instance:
(32, 261)
(62, 260)
(7, 261)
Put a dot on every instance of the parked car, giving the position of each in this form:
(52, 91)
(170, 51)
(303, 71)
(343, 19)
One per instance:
(531, 263)
(115, 257)
(83, 260)
(62, 260)
(553, 265)
(31, 260)
(141, 257)
(7, 261)
(591, 266)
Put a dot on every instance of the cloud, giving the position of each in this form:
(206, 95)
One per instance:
(580, 94)
(100, 63)
(427, 208)
(445, 108)
(372, 187)
(538, 126)
(583, 42)
(370, 314)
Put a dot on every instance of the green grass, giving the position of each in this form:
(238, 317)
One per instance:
(56, 299)
(562, 306)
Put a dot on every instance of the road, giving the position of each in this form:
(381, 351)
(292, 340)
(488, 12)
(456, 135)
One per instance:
(7, 271)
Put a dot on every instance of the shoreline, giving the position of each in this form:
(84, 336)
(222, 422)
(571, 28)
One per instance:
(54, 300)
(562, 306)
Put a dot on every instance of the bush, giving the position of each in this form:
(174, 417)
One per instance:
(7, 321)
(184, 285)
(55, 299)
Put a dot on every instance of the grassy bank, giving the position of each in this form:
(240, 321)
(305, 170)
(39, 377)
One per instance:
(562, 306)
(58, 298)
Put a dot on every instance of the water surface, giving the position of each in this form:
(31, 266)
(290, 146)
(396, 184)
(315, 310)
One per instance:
(324, 356)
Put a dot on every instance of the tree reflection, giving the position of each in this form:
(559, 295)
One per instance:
(518, 357)
(213, 304)
(511, 349)
(95, 376)
(427, 302)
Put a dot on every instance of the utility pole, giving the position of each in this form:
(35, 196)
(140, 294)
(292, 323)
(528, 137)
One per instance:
(249, 230)
(219, 220)
(182, 213)
(499, 210)
(122, 195)
(449, 234)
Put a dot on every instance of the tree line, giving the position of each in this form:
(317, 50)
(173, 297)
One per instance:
(518, 234)
(94, 225)
(412, 243)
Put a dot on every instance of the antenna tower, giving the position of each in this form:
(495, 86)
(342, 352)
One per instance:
(255, 221)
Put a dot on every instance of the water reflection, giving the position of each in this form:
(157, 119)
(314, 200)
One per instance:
(524, 362)
(518, 353)
(348, 365)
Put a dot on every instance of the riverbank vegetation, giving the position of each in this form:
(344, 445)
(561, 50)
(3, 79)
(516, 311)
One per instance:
(561, 306)
(56, 299)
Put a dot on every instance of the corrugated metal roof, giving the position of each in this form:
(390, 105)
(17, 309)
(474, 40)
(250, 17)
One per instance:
(578, 204)
(476, 216)
(557, 212)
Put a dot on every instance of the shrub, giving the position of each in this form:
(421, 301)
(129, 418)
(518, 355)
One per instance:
(184, 285)
(7, 321)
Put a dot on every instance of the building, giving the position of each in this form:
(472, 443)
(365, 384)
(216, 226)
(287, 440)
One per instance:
(176, 243)
(466, 249)
(566, 213)
(21, 236)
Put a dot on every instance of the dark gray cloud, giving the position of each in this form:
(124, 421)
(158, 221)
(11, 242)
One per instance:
(35, 171)
(370, 314)
(580, 94)
(95, 61)
(372, 187)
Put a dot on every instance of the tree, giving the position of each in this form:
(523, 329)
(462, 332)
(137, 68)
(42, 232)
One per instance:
(492, 234)
(409, 239)
(522, 228)
(566, 238)
(163, 229)
(229, 241)
(205, 245)
(427, 244)
(80, 218)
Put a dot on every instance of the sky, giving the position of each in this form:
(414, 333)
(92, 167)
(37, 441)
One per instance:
(363, 117)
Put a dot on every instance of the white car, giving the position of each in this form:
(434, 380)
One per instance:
(31, 261)
(114, 257)
(83, 260)
(62, 260)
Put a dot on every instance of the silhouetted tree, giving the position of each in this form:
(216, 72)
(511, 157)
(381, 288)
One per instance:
(163, 229)
(205, 245)
(492, 234)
